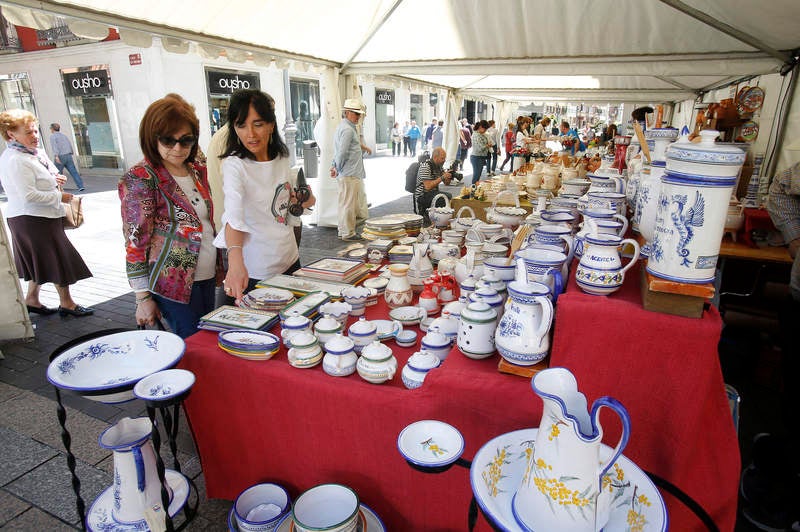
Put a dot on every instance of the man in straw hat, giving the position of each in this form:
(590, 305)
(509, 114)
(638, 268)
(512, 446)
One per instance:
(348, 168)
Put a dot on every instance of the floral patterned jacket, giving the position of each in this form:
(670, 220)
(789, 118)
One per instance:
(162, 231)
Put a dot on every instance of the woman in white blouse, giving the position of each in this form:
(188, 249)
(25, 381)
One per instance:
(258, 193)
(35, 211)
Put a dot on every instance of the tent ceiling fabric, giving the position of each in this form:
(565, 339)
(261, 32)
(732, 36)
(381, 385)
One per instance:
(471, 45)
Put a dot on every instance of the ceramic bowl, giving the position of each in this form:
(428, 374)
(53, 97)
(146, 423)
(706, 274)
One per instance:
(165, 387)
(261, 507)
(406, 338)
(338, 310)
(494, 250)
(106, 368)
(327, 507)
(408, 315)
(430, 445)
(499, 266)
(425, 323)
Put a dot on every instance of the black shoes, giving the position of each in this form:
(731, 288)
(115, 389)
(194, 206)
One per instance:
(78, 311)
(41, 310)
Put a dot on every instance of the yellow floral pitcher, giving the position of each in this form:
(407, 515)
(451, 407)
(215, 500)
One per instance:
(563, 485)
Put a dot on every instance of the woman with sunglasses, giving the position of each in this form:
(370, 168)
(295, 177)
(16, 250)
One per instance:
(259, 199)
(168, 224)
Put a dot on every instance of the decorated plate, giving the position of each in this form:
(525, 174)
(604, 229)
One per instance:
(270, 295)
(430, 443)
(115, 361)
(407, 315)
(246, 340)
(387, 328)
(499, 466)
(164, 385)
(752, 100)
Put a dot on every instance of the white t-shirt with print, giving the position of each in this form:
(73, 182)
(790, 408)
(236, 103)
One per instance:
(257, 202)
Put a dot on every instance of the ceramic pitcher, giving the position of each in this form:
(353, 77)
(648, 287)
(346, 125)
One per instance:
(562, 488)
(522, 337)
(136, 484)
(420, 267)
(600, 271)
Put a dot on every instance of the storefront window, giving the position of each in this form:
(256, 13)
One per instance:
(305, 110)
(415, 109)
(221, 84)
(93, 115)
(15, 92)
(384, 115)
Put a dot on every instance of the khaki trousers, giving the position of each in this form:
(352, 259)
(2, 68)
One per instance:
(352, 204)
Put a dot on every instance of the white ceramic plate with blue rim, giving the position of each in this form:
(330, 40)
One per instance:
(369, 522)
(115, 362)
(430, 443)
(249, 340)
(164, 385)
(499, 466)
(99, 516)
(407, 315)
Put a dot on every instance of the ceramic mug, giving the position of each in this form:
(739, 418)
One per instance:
(328, 508)
(260, 508)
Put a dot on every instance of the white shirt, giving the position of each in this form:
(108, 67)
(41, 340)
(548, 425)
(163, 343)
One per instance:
(256, 202)
(31, 189)
(207, 258)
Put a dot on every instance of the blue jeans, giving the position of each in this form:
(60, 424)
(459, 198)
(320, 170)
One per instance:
(412, 146)
(478, 162)
(182, 318)
(66, 161)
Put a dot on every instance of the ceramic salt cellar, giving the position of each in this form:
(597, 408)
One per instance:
(377, 363)
(476, 330)
(363, 332)
(417, 368)
(567, 455)
(340, 358)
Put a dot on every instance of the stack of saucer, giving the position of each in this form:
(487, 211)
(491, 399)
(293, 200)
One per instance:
(250, 345)
(386, 227)
(402, 254)
(411, 222)
(270, 299)
(376, 285)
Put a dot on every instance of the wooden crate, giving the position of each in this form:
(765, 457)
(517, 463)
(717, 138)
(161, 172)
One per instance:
(671, 297)
(522, 371)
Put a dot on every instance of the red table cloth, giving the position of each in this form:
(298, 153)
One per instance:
(268, 421)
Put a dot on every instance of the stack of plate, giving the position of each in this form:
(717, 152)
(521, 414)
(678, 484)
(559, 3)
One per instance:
(271, 299)
(250, 345)
(377, 285)
(401, 254)
(411, 222)
(386, 227)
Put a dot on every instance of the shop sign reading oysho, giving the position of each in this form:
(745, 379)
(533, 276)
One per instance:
(92, 82)
(384, 96)
(220, 82)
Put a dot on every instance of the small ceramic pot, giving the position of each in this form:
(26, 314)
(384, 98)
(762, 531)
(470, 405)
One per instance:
(326, 508)
(436, 343)
(363, 332)
(305, 351)
(356, 297)
(261, 508)
(338, 310)
(340, 358)
(326, 328)
(377, 363)
(406, 338)
(417, 368)
(476, 331)
(448, 324)
(292, 326)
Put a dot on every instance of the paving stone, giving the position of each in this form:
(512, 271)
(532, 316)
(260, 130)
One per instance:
(84, 431)
(10, 507)
(214, 510)
(7, 392)
(35, 519)
(28, 414)
(49, 487)
(20, 454)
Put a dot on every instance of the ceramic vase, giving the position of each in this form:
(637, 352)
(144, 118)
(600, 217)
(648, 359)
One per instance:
(420, 267)
(398, 292)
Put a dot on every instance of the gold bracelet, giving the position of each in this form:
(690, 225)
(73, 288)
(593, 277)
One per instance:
(234, 247)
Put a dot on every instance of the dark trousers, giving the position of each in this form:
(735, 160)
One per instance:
(182, 318)
(491, 165)
(423, 202)
(406, 145)
(508, 158)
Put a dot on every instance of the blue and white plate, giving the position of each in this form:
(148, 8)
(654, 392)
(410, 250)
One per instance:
(248, 340)
(499, 465)
(99, 517)
(164, 385)
(114, 363)
(430, 443)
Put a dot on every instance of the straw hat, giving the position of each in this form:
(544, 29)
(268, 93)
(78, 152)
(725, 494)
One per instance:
(354, 105)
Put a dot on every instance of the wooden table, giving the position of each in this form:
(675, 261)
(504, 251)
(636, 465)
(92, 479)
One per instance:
(480, 206)
(737, 250)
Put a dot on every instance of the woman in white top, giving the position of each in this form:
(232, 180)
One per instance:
(42, 252)
(258, 194)
(540, 133)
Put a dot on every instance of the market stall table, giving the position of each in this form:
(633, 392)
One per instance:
(480, 206)
(256, 421)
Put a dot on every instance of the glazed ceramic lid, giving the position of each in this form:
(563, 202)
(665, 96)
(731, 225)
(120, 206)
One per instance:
(339, 345)
(296, 321)
(479, 311)
(469, 282)
(707, 151)
(327, 324)
(435, 339)
(376, 352)
(454, 308)
(363, 327)
(423, 361)
(303, 340)
(336, 308)
(487, 294)
(355, 292)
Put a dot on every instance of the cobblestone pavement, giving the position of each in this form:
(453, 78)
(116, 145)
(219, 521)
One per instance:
(35, 489)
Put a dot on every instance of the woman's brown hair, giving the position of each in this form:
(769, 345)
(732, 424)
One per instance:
(163, 118)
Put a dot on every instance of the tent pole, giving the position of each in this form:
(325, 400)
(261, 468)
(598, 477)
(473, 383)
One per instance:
(371, 35)
(727, 29)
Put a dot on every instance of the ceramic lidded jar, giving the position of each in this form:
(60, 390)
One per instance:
(437, 343)
(305, 351)
(377, 363)
(476, 330)
(294, 325)
(340, 358)
(706, 158)
(363, 332)
(398, 292)
(490, 296)
(417, 368)
(356, 297)
(448, 324)
(326, 328)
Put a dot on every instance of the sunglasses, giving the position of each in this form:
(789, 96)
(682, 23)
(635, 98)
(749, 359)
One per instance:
(186, 141)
